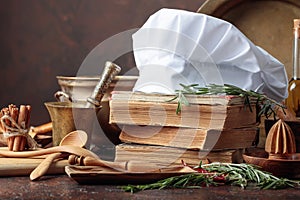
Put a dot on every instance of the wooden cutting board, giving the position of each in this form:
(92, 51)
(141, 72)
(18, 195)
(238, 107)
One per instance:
(24, 166)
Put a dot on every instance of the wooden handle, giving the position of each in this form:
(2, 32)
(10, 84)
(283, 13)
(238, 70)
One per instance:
(43, 167)
(44, 128)
(57, 149)
(60, 94)
(24, 166)
(130, 166)
(89, 161)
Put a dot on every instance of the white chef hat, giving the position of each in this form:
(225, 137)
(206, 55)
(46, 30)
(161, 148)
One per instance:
(177, 46)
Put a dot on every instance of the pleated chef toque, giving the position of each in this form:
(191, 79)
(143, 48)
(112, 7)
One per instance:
(177, 46)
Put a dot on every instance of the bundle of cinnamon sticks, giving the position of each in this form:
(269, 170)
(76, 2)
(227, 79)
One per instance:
(15, 125)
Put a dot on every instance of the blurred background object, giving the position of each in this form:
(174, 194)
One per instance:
(40, 40)
(268, 24)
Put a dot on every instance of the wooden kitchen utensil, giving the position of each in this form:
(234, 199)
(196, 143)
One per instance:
(108, 74)
(76, 138)
(57, 149)
(24, 166)
(280, 140)
(279, 156)
(128, 166)
(41, 129)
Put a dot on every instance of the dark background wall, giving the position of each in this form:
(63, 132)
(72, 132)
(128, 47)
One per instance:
(40, 39)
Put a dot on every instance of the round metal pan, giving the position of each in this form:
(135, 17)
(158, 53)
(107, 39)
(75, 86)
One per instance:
(267, 23)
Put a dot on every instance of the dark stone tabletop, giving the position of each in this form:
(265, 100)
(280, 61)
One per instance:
(62, 187)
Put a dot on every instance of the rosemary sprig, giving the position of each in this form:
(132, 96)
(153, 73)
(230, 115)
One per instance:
(231, 174)
(267, 105)
(192, 180)
(241, 174)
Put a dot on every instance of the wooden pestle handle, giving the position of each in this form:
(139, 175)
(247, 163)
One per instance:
(41, 129)
(57, 149)
(130, 166)
(44, 128)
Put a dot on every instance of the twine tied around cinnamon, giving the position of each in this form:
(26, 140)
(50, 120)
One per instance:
(17, 130)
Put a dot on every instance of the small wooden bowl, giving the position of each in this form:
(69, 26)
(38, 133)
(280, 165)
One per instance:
(287, 168)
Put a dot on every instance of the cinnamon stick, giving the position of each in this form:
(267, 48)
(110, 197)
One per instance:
(27, 119)
(22, 123)
(7, 122)
(21, 117)
(14, 112)
(5, 111)
(28, 112)
(1, 127)
(22, 143)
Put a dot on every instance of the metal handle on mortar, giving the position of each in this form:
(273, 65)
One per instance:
(65, 96)
(109, 72)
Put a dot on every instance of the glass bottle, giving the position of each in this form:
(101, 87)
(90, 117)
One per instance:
(293, 100)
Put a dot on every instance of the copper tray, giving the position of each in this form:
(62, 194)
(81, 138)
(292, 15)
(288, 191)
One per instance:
(103, 175)
(267, 23)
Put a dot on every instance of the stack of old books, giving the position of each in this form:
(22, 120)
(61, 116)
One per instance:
(210, 129)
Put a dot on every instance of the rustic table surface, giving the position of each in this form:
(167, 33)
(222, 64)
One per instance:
(62, 187)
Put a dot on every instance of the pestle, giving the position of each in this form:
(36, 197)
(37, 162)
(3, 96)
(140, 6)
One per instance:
(70, 116)
(109, 72)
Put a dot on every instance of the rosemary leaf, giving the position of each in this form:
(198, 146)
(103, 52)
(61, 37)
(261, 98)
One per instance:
(263, 102)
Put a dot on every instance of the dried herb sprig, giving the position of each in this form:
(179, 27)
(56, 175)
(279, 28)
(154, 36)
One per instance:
(267, 105)
(216, 174)
(242, 174)
(192, 180)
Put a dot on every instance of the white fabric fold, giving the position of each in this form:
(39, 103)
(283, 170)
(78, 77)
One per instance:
(177, 46)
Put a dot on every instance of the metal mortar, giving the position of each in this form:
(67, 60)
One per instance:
(68, 116)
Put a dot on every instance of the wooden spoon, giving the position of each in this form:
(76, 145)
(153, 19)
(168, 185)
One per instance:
(76, 138)
(66, 148)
